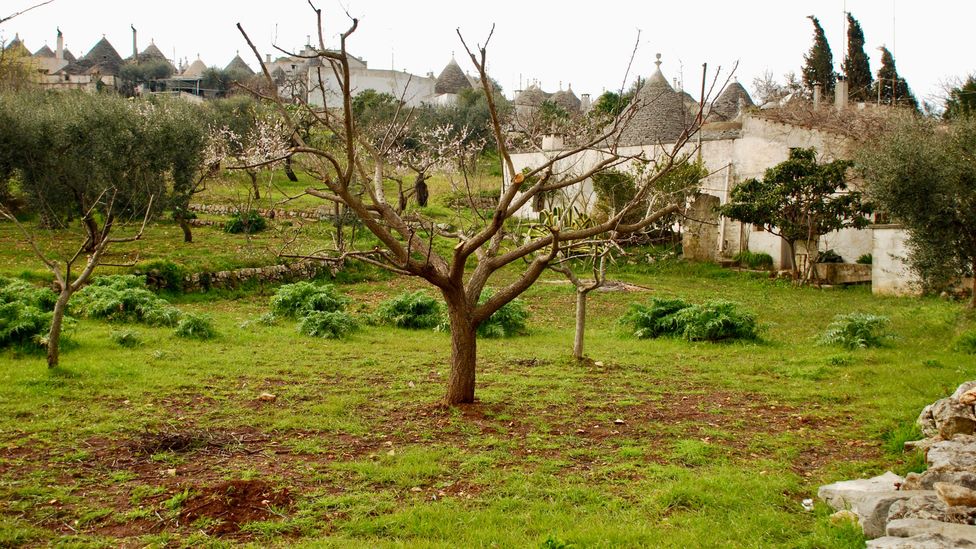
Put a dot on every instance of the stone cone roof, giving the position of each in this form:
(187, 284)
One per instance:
(103, 55)
(661, 114)
(238, 65)
(17, 45)
(45, 52)
(195, 70)
(567, 100)
(726, 106)
(531, 97)
(451, 80)
(69, 57)
(152, 52)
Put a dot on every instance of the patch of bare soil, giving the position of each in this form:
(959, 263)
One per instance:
(230, 504)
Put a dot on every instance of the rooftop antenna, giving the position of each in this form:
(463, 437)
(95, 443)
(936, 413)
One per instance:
(844, 38)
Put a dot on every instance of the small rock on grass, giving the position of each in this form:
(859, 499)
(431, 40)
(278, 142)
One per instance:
(267, 397)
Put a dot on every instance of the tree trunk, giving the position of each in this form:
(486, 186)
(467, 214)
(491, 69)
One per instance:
(57, 321)
(254, 185)
(464, 344)
(290, 172)
(91, 227)
(972, 298)
(187, 233)
(420, 185)
(580, 324)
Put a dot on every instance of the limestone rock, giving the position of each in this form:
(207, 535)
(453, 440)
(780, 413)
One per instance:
(907, 528)
(956, 454)
(926, 422)
(925, 507)
(927, 480)
(968, 398)
(955, 496)
(924, 541)
(953, 418)
(966, 387)
(923, 444)
(840, 495)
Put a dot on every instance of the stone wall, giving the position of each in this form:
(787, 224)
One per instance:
(889, 270)
(320, 213)
(302, 270)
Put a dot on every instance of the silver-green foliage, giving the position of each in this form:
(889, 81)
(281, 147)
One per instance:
(714, 320)
(327, 324)
(124, 298)
(413, 310)
(195, 326)
(856, 331)
(302, 298)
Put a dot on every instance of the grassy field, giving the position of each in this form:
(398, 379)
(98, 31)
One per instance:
(657, 443)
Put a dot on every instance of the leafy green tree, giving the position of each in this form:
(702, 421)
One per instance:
(923, 174)
(148, 72)
(818, 65)
(612, 104)
(894, 88)
(856, 67)
(961, 101)
(799, 200)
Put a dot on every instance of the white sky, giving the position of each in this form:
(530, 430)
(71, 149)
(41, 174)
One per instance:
(587, 45)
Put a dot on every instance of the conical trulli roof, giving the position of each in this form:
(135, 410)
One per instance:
(17, 45)
(44, 52)
(567, 100)
(195, 70)
(68, 56)
(104, 55)
(451, 80)
(532, 96)
(726, 106)
(238, 65)
(152, 52)
(661, 115)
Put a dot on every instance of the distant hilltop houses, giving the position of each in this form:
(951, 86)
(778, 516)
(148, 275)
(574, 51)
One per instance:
(297, 76)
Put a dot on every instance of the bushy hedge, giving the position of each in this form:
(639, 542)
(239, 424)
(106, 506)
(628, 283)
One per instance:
(856, 331)
(328, 324)
(413, 310)
(714, 320)
(124, 298)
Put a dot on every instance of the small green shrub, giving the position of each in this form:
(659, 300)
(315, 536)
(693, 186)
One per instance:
(126, 338)
(714, 320)
(299, 299)
(754, 260)
(327, 324)
(865, 259)
(829, 256)
(23, 325)
(413, 310)
(15, 289)
(194, 326)
(249, 222)
(161, 274)
(124, 298)
(966, 343)
(856, 331)
(508, 321)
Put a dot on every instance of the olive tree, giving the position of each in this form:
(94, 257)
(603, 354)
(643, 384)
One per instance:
(923, 174)
(484, 246)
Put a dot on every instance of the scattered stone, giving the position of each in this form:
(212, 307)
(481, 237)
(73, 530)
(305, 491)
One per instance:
(925, 541)
(416, 489)
(953, 418)
(841, 495)
(968, 398)
(598, 364)
(955, 496)
(956, 454)
(922, 445)
(618, 421)
(171, 472)
(927, 480)
(907, 528)
(843, 516)
(267, 397)
(925, 507)
(807, 504)
(926, 422)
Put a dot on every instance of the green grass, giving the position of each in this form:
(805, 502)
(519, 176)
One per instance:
(716, 445)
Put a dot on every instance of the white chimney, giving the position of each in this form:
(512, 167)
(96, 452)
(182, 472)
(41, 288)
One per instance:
(267, 59)
(60, 53)
(135, 45)
(817, 94)
(585, 103)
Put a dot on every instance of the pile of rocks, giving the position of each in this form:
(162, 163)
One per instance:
(931, 510)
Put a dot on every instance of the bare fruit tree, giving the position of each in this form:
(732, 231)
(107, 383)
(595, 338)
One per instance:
(485, 245)
(65, 282)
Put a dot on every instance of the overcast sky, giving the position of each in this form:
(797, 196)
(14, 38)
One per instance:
(587, 45)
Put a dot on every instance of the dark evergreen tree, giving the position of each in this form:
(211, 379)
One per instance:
(962, 100)
(894, 89)
(819, 63)
(856, 67)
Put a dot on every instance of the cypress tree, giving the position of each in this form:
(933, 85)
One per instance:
(856, 67)
(819, 67)
(961, 102)
(894, 89)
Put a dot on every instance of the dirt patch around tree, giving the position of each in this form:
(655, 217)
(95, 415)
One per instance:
(223, 508)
